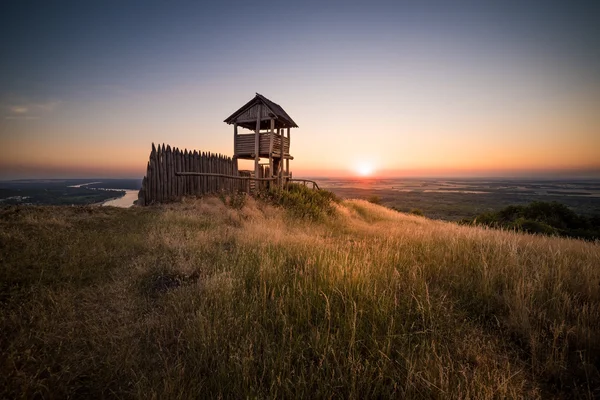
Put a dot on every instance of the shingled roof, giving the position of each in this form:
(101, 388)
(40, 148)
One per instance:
(273, 110)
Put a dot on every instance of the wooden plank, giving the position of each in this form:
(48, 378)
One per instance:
(148, 182)
(157, 173)
(197, 167)
(149, 196)
(199, 179)
(184, 179)
(193, 169)
(164, 172)
(221, 181)
(190, 182)
(186, 167)
(151, 174)
(153, 195)
(154, 178)
(197, 191)
(172, 178)
(167, 183)
(176, 168)
(179, 179)
(204, 169)
(161, 178)
(210, 170)
(170, 173)
(207, 169)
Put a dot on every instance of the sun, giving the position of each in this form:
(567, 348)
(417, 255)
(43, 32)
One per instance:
(365, 169)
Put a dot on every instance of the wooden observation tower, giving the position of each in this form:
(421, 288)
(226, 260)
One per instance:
(270, 139)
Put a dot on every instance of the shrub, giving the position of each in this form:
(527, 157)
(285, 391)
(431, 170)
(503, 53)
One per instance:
(235, 201)
(532, 226)
(548, 218)
(416, 211)
(303, 202)
(374, 199)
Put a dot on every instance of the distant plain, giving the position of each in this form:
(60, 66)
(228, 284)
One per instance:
(446, 199)
(454, 199)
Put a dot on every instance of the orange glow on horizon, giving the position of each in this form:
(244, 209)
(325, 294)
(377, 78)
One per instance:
(364, 169)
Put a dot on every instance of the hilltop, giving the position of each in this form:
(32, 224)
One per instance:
(237, 297)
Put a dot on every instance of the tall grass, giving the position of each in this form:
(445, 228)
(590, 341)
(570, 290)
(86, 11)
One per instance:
(207, 299)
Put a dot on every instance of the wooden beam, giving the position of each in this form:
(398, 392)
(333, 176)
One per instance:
(304, 181)
(214, 174)
(285, 156)
(241, 121)
(257, 141)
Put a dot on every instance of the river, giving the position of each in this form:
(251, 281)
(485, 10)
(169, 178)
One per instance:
(125, 201)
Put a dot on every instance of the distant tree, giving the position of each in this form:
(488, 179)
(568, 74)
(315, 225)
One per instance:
(547, 218)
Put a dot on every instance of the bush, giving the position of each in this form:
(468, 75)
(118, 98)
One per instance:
(547, 218)
(235, 201)
(374, 199)
(303, 202)
(532, 226)
(416, 211)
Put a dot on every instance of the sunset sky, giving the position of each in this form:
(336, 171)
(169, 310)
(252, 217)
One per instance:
(404, 88)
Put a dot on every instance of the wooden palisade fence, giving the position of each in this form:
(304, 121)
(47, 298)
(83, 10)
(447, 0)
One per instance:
(163, 181)
(172, 174)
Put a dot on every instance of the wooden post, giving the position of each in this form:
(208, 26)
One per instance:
(235, 139)
(257, 140)
(177, 178)
(172, 177)
(201, 169)
(180, 168)
(184, 169)
(271, 134)
(158, 174)
(211, 168)
(167, 174)
(205, 169)
(154, 168)
(147, 196)
(195, 169)
(287, 160)
(188, 180)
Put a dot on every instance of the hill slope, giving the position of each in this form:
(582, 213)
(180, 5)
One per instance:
(202, 299)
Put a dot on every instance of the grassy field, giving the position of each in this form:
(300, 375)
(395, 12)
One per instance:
(237, 299)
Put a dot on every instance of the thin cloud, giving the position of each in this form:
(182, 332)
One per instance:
(29, 110)
(19, 109)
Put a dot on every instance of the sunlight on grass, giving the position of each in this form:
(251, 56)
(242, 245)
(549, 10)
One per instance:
(202, 299)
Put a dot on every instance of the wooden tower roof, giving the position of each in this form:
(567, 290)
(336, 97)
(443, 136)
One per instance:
(246, 116)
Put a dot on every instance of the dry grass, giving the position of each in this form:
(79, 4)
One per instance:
(203, 300)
